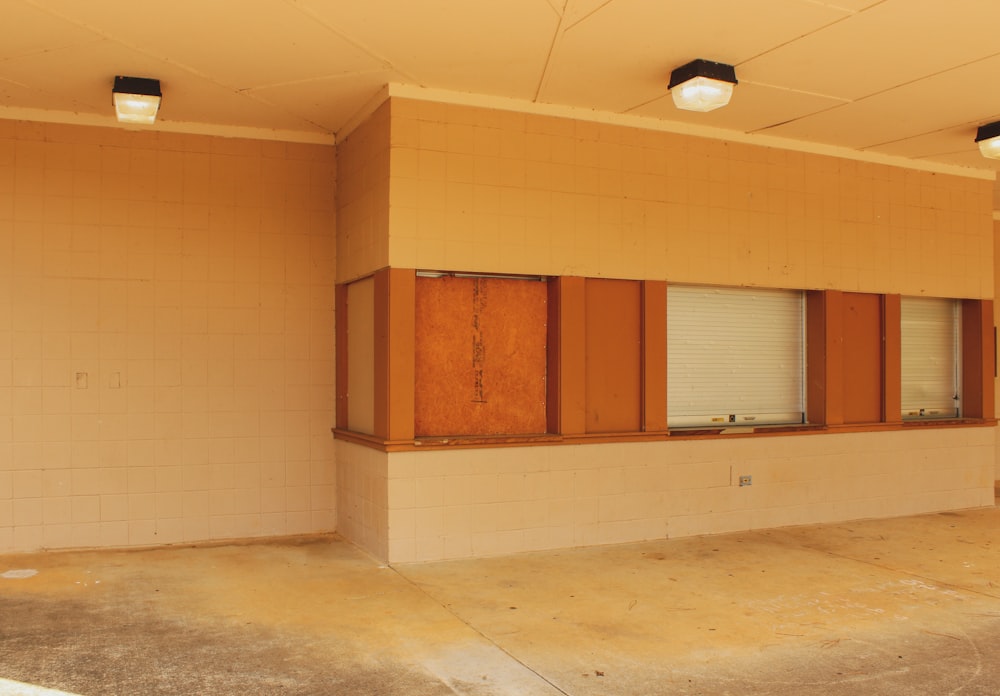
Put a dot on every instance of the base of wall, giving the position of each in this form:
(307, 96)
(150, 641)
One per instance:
(406, 507)
(362, 497)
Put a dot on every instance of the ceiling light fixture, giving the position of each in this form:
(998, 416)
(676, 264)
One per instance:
(988, 137)
(136, 99)
(702, 85)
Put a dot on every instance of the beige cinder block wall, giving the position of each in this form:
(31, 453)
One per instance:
(475, 189)
(166, 337)
(363, 162)
(996, 313)
(455, 504)
(996, 310)
(501, 191)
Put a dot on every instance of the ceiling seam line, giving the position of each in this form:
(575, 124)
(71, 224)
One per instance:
(875, 94)
(337, 32)
(927, 77)
(909, 137)
(307, 80)
(799, 118)
(844, 100)
(182, 66)
(589, 14)
(556, 38)
(797, 38)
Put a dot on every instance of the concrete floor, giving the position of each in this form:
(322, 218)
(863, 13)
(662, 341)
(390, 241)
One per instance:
(904, 606)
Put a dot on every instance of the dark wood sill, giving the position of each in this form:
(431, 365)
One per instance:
(548, 439)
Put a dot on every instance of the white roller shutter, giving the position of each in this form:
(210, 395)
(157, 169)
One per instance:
(930, 329)
(734, 356)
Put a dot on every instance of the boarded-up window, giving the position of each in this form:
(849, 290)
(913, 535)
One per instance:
(480, 356)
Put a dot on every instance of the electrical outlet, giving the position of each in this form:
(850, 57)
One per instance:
(746, 480)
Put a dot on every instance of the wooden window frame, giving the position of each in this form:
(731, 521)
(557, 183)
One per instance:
(566, 369)
(826, 373)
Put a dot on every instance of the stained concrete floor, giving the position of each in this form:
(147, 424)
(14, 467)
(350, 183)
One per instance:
(903, 606)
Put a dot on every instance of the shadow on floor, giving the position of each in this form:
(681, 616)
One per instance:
(902, 606)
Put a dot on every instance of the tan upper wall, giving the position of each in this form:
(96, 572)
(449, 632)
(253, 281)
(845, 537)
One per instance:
(363, 198)
(996, 322)
(166, 337)
(476, 189)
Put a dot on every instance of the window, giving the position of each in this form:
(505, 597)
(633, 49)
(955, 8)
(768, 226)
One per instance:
(480, 355)
(929, 345)
(734, 356)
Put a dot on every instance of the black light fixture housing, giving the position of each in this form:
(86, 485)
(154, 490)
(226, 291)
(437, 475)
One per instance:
(136, 99)
(988, 138)
(702, 85)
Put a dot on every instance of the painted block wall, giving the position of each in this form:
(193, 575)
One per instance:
(482, 502)
(996, 310)
(363, 497)
(363, 198)
(474, 189)
(166, 337)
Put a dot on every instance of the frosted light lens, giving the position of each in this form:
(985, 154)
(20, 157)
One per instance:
(702, 94)
(136, 108)
(990, 147)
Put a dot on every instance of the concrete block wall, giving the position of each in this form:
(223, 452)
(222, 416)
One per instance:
(475, 189)
(482, 502)
(166, 337)
(495, 191)
(363, 497)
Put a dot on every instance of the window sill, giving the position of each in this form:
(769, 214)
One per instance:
(482, 441)
(948, 422)
(745, 431)
(487, 441)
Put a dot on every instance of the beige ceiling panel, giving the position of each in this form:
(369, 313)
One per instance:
(496, 48)
(936, 103)
(849, 5)
(200, 101)
(752, 108)
(915, 68)
(60, 78)
(36, 31)
(891, 43)
(622, 54)
(18, 96)
(969, 158)
(949, 143)
(251, 43)
(577, 10)
(186, 97)
(329, 102)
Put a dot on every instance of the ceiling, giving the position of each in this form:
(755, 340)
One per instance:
(902, 78)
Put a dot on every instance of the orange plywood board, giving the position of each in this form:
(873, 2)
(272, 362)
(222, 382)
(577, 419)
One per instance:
(480, 356)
